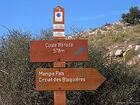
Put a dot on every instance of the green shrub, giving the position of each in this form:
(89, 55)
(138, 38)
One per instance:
(17, 76)
(133, 17)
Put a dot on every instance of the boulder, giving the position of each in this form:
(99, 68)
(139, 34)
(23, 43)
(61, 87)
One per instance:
(137, 48)
(119, 53)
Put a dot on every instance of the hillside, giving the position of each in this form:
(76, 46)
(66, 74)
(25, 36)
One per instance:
(119, 41)
(114, 50)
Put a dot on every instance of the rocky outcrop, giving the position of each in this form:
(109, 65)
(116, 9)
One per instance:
(137, 48)
(129, 53)
(119, 53)
(117, 39)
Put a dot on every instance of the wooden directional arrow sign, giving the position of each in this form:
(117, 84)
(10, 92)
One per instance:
(58, 50)
(68, 79)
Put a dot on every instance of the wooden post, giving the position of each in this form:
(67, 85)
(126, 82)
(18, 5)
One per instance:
(58, 33)
(80, 52)
(59, 96)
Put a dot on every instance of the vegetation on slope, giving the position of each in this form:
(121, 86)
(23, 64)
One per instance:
(122, 84)
(114, 50)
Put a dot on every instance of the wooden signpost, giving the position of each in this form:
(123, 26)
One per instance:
(60, 79)
(68, 79)
(58, 50)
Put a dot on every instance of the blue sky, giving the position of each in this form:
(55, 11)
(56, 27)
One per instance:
(34, 15)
